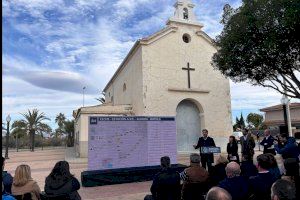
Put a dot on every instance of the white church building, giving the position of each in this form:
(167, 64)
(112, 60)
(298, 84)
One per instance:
(168, 74)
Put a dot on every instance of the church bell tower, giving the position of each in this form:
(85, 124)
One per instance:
(184, 13)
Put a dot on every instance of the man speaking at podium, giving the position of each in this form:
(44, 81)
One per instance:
(205, 141)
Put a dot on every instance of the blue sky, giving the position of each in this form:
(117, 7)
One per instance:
(52, 48)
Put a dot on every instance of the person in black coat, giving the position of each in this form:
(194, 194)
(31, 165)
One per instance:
(232, 150)
(205, 141)
(260, 185)
(61, 184)
(166, 183)
(247, 167)
(268, 143)
(218, 172)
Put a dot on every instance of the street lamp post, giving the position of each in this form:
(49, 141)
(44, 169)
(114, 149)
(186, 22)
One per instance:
(7, 136)
(286, 113)
(83, 96)
(33, 136)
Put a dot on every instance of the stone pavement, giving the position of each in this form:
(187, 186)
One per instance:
(41, 163)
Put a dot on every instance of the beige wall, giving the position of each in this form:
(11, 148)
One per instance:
(132, 76)
(278, 114)
(163, 61)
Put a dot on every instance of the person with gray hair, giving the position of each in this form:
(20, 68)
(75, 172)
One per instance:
(195, 179)
(217, 193)
(236, 185)
(283, 190)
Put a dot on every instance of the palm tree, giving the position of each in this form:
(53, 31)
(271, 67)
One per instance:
(69, 130)
(18, 131)
(34, 122)
(60, 120)
(101, 99)
(44, 128)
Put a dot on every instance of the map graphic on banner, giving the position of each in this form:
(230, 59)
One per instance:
(121, 142)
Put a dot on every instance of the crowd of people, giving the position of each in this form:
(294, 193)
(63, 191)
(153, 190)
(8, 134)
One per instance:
(232, 178)
(60, 184)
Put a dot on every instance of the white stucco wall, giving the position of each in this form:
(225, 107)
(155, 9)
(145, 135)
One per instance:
(163, 61)
(131, 75)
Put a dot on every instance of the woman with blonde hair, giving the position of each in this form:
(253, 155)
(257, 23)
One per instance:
(218, 173)
(24, 184)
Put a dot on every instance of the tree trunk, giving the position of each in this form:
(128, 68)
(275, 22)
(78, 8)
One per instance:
(33, 137)
(17, 145)
(42, 143)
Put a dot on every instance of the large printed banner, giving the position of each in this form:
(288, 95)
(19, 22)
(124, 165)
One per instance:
(121, 142)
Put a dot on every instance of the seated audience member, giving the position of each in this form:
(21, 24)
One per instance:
(23, 184)
(283, 190)
(217, 172)
(217, 193)
(61, 182)
(232, 150)
(274, 169)
(6, 196)
(7, 179)
(247, 167)
(166, 183)
(260, 185)
(292, 173)
(287, 147)
(280, 163)
(236, 185)
(195, 180)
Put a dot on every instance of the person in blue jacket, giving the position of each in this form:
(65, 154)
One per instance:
(6, 196)
(6, 178)
(236, 185)
(288, 147)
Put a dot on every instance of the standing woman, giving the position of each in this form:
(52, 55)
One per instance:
(232, 150)
(61, 183)
(23, 184)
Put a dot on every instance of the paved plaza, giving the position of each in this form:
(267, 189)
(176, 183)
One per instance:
(41, 163)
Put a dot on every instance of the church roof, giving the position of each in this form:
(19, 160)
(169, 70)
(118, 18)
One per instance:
(104, 109)
(279, 107)
(138, 43)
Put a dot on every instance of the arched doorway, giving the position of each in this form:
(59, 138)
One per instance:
(188, 125)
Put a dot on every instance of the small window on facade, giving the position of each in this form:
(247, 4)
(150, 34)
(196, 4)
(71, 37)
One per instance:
(124, 87)
(186, 38)
(185, 13)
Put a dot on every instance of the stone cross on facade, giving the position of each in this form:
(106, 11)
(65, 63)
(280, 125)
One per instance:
(188, 69)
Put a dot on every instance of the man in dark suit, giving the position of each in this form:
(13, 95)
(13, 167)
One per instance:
(268, 142)
(247, 143)
(166, 183)
(260, 185)
(205, 141)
